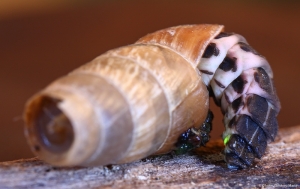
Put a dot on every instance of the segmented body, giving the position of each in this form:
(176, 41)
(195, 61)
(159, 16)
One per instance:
(240, 81)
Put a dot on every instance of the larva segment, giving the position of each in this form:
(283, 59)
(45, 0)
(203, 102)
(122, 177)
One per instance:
(236, 61)
(241, 82)
(251, 132)
(238, 153)
(251, 81)
(210, 63)
(258, 109)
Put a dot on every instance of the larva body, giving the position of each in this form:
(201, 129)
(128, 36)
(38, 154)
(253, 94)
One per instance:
(137, 100)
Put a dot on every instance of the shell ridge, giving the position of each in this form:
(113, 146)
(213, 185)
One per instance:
(108, 80)
(166, 94)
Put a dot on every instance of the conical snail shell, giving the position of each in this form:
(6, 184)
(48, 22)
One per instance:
(124, 105)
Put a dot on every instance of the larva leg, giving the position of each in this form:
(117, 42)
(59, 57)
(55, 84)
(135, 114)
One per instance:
(242, 85)
(194, 137)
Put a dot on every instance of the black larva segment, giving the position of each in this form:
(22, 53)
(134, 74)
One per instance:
(257, 107)
(247, 48)
(238, 84)
(263, 115)
(210, 91)
(207, 72)
(209, 118)
(271, 125)
(219, 84)
(244, 154)
(228, 64)
(253, 134)
(210, 50)
(234, 162)
(262, 78)
(236, 104)
(223, 34)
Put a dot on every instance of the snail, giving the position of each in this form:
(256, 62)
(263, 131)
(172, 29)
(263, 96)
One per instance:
(152, 97)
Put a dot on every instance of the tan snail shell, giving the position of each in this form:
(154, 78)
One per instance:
(124, 105)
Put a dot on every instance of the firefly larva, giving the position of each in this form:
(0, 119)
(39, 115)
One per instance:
(137, 100)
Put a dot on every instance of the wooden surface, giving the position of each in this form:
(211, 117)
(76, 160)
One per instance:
(204, 168)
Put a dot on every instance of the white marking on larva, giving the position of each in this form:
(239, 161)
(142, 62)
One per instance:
(241, 150)
(171, 32)
(253, 134)
(268, 114)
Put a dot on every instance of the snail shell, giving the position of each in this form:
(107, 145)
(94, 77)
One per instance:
(124, 105)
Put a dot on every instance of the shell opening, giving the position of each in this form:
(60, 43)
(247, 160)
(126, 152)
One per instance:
(53, 129)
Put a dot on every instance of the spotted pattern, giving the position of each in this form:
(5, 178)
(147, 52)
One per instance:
(241, 83)
(238, 84)
(211, 50)
(228, 64)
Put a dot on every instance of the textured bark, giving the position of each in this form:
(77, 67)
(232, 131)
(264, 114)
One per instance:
(204, 168)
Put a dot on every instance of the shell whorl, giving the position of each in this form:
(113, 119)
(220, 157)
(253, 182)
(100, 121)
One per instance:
(124, 105)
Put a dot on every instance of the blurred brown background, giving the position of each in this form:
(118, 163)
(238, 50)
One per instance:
(42, 40)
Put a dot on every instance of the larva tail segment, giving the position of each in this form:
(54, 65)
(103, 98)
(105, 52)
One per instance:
(238, 154)
(241, 81)
(250, 131)
(195, 136)
(258, 109)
